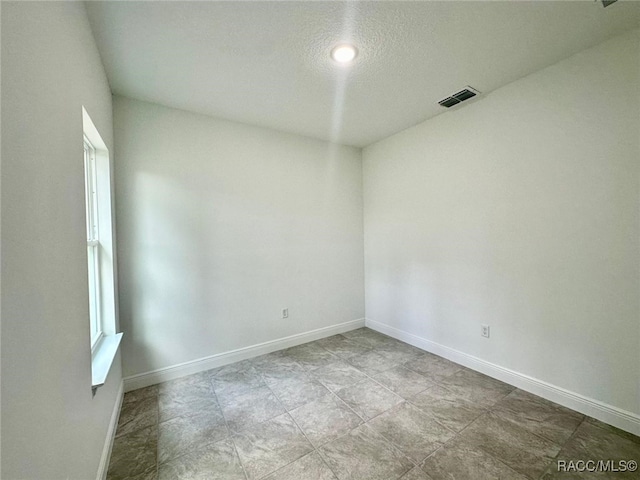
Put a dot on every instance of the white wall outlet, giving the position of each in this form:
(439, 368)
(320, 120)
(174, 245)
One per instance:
(285, 313)
(485, 331)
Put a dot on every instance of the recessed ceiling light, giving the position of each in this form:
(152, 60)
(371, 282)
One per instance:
(344, 53)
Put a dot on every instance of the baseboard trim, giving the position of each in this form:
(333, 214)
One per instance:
(141, 380)
(111, 433)
(609, 414)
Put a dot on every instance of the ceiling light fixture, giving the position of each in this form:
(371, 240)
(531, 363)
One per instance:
(344, 53)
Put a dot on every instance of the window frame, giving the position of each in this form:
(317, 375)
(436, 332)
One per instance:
(93, 243)
(103, 340)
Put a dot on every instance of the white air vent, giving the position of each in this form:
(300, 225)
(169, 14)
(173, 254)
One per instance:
(459, 97)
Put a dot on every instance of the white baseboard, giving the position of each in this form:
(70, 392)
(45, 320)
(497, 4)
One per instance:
(609, 414)
(214, 361)
(111, 433)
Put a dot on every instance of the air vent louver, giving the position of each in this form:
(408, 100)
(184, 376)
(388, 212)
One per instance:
(459, 97)
(449, 102)
(464, 95)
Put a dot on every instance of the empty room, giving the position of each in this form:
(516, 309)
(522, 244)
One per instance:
(320, 240)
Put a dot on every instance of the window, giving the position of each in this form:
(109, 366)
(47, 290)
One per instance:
(93, 241)
(101, 323)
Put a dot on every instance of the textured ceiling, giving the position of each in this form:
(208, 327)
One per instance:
(267, 63)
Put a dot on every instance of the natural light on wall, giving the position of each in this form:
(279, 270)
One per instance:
(100, 254)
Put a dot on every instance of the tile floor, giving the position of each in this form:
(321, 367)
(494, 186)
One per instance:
(359, 405)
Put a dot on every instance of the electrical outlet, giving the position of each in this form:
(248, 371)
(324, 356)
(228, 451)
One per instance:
(285, 313)
(485, 331)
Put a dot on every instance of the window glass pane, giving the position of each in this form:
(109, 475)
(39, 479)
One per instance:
(91, 197)
(87, 188)
(94, 289)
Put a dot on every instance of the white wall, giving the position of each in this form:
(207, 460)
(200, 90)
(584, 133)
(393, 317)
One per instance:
(51, 426)
(221, 225)
(520, 211)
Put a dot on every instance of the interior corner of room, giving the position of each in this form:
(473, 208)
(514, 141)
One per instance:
(501, 234)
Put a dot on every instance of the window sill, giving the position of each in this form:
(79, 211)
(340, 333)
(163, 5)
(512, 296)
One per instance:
(102, 359)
